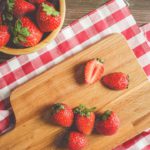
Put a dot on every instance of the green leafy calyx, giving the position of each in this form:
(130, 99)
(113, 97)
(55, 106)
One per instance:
(9, 10)
(105, 115)
(20, 33)
(50, 10)
(83, 111)
(56, 108)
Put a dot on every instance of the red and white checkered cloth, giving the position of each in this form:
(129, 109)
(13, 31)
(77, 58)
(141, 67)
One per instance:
(113, 17)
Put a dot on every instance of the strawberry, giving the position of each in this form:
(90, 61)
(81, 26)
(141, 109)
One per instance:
(26, 33)
(48, 18)
(107, 123)
(76, 141)
(62, 114)
(4, 35)
(93, 70)
(19, 7)
(116, 81)
(37, 1)
(84, 119)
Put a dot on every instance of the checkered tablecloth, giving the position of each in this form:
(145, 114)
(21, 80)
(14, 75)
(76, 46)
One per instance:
(113, 17)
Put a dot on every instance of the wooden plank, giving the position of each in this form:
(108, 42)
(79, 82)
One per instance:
(65, 83)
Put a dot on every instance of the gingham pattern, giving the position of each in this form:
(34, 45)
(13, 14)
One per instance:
(113, 17)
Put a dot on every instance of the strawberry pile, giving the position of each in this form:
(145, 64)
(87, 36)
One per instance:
(25, 23)
(82, 121)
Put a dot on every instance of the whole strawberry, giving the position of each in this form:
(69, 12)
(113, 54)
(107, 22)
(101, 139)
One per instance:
(19, 8)
(107, 123)
(84, 119)
(4, 35)
(116, 81)
(93, 70)
(37, 1)
(76, 141)
(48, 18)
(62, 114)
(26, 33)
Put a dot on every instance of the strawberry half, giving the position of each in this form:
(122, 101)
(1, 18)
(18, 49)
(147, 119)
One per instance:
(62, 114)
(107, 123)
(93, 70)
(4, 35)
(116, 81)
(84, 119)
(76, 141)
(26, 33)
(19, 7)
(48, 18)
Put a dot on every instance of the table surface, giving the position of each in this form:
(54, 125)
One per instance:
(139, 8)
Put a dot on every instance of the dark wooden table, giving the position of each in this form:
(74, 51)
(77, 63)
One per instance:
(78, 8)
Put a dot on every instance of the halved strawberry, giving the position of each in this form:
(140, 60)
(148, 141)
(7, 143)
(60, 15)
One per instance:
(94, 70)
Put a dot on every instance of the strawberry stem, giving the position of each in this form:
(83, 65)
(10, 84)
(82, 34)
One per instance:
(105, 115)
(83, 111)
(100, 60)
(56, 108)
(49, 10)
(20, 33)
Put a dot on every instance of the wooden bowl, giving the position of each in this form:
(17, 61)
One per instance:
(44, 42)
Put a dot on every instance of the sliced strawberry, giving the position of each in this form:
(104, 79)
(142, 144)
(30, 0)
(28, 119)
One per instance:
(94, 70)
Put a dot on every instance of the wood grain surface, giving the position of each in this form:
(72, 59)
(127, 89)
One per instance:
(76, 9)
(65, 83)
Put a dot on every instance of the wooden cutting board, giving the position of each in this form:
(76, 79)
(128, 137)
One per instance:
(64, 83)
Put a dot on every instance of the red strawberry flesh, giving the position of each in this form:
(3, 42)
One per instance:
(93, 71)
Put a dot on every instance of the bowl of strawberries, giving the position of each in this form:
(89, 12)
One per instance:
(27, 26)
